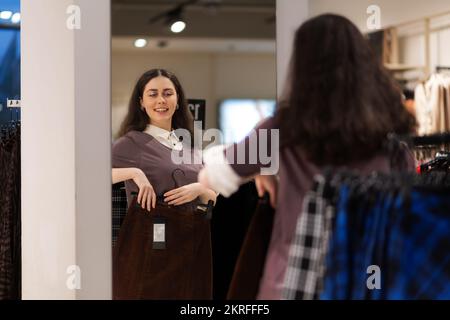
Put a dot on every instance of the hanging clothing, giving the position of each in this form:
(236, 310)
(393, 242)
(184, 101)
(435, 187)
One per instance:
(432, 100)
(296, 174)
(10, 217)
(250, 263)
(182, 270)
(396, 225)
(230, 222)
(119, 209)
(306, 265)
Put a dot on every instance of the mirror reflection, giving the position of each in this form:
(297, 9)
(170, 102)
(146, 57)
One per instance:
(179, 67)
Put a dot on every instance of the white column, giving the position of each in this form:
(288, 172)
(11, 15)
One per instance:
(93, 149)
(66, 169)
(290, 15)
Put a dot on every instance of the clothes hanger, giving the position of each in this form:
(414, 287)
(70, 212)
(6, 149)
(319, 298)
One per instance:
(440, 163)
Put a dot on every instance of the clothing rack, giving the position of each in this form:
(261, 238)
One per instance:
(442, 68)
(9, 26)
(10, 114)
(428, 140)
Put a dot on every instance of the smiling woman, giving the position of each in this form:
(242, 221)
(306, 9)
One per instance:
(159, 101)
(167, 194)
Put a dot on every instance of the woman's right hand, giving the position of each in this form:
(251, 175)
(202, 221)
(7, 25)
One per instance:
(146, 196)
(267, 184)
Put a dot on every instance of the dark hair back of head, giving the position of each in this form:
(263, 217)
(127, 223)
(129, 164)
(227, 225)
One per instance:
(136, 119)
(340, 102)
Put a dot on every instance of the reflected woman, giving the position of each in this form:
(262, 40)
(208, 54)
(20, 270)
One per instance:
(164, 247)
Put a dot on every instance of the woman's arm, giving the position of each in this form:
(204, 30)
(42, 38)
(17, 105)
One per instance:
(146, 196)
(188, 193)
(227, 167)
(124, 174)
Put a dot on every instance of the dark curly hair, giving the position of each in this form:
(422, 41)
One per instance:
(340, 103)
(136, 119)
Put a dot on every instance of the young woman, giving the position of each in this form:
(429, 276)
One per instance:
(339, 106)
(142, 157)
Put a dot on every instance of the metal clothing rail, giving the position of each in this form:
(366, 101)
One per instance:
(442, 68)
(10, 26)
(428, 140)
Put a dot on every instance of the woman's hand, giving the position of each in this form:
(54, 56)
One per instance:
(203, 179)
(269, 184)
(146, 196)
(184, 194)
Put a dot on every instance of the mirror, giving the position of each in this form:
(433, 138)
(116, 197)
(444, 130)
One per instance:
(223, 54)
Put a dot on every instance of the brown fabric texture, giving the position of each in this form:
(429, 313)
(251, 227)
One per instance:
(10, 217)
(250, 264)
(183, 270)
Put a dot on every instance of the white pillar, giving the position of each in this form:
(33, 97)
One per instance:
(290, 15)
(66, 167)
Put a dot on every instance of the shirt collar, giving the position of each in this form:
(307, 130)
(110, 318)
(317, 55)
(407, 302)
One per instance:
(159, 132)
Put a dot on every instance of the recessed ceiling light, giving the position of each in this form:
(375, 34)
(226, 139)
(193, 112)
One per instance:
(5, 15)
(178, 26)
(140, 43)
(15, 18)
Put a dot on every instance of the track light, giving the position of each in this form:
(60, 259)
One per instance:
(140, 43)
(5, 15)
(15, 18)
(178, 26)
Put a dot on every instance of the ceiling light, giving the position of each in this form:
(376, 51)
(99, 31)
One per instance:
(178, 26)
(140, 43)
(15, 18)
(5, 15)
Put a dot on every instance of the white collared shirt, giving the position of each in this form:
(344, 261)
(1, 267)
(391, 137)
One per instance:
(167, 138)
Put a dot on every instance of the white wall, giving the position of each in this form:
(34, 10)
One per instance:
(412, 43)
(209, 76)
(66, 166)
(392, 11)
(395, 12)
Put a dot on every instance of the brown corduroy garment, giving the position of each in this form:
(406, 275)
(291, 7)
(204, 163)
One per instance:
(10, 216)
(250, 264)
(183, 270)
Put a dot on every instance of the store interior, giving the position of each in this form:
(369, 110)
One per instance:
(232, 55)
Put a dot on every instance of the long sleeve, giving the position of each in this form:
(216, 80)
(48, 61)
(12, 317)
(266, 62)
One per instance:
(227, 167)
(125, 153)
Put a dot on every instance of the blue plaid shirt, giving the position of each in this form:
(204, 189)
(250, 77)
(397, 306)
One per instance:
(404, 234)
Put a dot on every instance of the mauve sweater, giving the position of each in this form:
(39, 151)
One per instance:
(140, 150)
(295, 178)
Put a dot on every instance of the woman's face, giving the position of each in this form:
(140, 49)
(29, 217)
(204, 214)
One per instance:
(160, 101)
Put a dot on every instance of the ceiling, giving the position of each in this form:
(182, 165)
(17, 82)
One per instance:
(205, 45)
(218, 19)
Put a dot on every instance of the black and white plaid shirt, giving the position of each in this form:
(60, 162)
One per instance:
(306, 263)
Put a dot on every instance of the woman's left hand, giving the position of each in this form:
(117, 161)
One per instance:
(184, 194)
